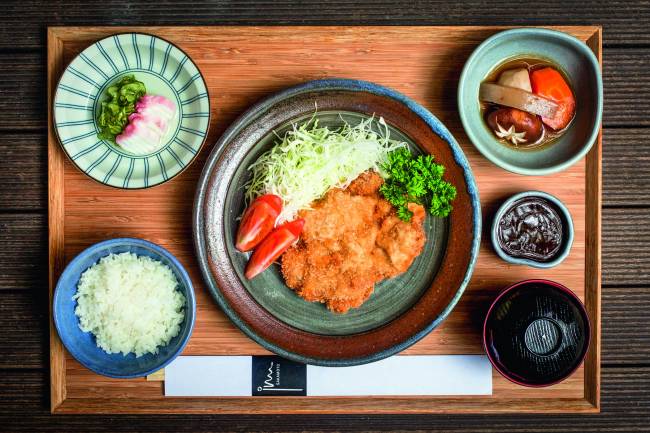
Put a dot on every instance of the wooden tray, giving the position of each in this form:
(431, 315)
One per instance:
(242, 65)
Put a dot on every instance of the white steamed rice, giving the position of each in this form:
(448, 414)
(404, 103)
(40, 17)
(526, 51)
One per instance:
(130, 303)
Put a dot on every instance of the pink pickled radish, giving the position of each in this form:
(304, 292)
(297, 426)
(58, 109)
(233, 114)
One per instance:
(148, 125)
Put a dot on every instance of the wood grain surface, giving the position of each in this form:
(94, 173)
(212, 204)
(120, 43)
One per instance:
(626, 169)
(626, 82)
(24, 348)
(625, 21)
(83, 212)
(624, 394)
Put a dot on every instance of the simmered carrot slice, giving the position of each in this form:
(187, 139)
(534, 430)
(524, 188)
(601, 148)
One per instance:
(550, 84)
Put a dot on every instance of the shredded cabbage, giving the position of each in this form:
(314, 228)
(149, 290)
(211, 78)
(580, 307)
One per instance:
(310, 159)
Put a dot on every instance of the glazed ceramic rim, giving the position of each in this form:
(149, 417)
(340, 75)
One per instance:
(565, 214)
(554, 285)
(190, 311)
(182, 167)
(533, 32)
(338, 84)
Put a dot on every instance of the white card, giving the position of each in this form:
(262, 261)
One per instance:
(405, 375)
(236, 376)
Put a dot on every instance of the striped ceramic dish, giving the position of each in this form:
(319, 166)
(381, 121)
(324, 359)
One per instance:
(165, 70)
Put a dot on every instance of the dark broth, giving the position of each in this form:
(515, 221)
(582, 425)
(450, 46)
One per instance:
(531, 64)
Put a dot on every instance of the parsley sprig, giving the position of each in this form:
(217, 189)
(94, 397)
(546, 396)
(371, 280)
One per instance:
(416, 180)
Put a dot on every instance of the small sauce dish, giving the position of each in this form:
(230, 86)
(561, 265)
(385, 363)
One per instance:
(532, 228)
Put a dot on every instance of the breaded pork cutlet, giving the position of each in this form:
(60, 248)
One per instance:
(351, 240)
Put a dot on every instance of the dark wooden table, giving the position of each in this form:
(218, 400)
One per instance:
(24, 382)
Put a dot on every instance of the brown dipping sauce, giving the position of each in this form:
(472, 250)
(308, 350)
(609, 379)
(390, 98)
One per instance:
(532, 229)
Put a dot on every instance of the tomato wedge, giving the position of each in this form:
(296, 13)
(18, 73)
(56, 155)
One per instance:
(272, 200)
(273, 246)
(258, 221)
(550, 84)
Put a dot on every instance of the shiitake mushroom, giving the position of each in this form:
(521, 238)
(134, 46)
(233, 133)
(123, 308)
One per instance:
(522, 121)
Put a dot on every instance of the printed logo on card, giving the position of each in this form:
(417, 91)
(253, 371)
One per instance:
(273, 375)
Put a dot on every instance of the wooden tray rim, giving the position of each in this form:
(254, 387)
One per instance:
(59, 403)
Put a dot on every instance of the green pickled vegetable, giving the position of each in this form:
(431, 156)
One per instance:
(114, 113)
(416, 180)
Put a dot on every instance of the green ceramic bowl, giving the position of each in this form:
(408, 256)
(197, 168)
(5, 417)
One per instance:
(580, 65)
(165, 70)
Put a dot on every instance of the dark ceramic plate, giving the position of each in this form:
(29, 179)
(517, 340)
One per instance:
(536, 333)
(401, 310)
